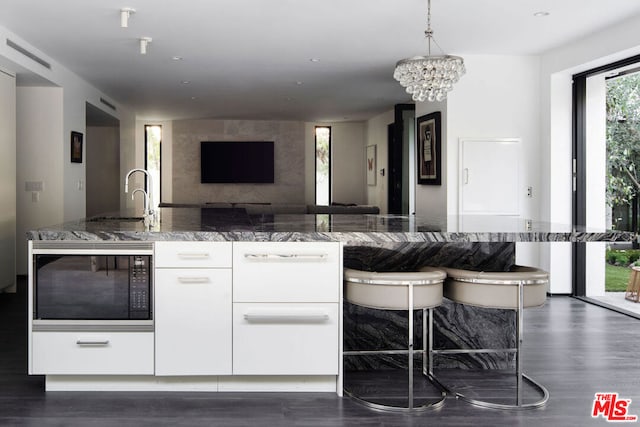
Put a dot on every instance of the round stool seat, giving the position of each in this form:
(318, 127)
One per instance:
(497, 289)
(390, 291)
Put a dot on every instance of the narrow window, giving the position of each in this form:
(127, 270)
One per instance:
(323, 165)
(152, 162)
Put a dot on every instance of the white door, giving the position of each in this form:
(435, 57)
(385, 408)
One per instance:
(489, 183)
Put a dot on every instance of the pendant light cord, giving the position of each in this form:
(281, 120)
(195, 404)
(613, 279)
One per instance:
(429, 32)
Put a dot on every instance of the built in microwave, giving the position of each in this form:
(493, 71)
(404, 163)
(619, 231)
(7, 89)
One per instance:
(85, 282)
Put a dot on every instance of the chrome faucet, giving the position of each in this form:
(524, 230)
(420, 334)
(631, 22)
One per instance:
(145, 196)
(148, 210)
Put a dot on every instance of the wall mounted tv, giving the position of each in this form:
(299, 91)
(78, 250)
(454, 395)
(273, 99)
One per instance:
(236, 162)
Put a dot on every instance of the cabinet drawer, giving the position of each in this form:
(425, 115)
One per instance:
(193, 254)
(92, 353)
(285, 339)
(286, 272)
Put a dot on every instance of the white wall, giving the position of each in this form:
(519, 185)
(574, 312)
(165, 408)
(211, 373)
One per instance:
(376, 134)
(39, 129)
(556, 206)
(431, 200)
(499, 97)
(348, 175)
(7, 181)
(348, 169)
(64, 97)
(596, 159)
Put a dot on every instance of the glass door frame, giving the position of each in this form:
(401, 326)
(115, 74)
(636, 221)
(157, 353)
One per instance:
(579, 165)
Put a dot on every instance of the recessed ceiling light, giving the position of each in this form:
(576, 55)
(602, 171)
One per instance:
(315, 60)
(185, 82)
(177, 58)
(541, 14)
(299, 83)
(194, 97)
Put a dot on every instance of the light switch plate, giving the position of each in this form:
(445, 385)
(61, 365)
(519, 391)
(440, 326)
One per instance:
(34, 186)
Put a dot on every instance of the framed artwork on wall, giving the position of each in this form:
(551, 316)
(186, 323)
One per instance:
(76, 147)
(371, 165)
(429, 149)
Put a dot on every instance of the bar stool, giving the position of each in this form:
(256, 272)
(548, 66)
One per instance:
(517, 289)
(399, 291)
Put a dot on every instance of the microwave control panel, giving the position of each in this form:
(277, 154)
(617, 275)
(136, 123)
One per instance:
(139, 286)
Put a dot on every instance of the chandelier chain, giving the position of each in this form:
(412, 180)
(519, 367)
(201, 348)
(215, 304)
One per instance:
(429, 31)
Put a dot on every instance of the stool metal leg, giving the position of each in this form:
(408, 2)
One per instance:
(410, 354)
(519, 334)
(426, 361)
(520, 375)
(425, 353)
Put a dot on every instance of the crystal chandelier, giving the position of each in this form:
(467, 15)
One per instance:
(429, 77)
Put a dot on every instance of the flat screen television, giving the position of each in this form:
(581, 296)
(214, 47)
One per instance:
(236, 162)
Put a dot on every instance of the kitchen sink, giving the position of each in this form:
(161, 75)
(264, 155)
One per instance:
(116, 219)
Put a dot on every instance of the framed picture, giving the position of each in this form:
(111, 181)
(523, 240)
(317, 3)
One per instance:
(76, 147)
(371, 165)
(429, 149)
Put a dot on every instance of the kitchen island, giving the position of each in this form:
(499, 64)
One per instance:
(278, 321)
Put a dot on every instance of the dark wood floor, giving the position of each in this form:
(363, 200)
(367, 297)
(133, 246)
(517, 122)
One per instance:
(574, 348)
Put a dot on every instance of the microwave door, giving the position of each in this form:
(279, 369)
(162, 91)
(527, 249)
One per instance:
(82, 287)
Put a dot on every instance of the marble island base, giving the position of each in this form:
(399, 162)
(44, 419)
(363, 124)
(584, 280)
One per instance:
(455, 325)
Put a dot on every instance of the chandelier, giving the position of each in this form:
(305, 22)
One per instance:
(429, 78)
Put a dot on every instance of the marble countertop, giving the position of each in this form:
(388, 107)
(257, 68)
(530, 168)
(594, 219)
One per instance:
(235, 225)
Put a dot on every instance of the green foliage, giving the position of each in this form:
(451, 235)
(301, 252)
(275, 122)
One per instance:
(622, 258)
(623, 139)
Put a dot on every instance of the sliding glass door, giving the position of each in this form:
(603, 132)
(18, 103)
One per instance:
(606, 133)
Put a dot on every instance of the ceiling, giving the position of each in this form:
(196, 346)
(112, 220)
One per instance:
(252, 59)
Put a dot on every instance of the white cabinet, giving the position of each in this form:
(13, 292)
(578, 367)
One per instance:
(193, 254)
(193, 308)
(286, 272)
(227, 316)
(286, 314)
(193, 321)
(92, 353)
(285, 339)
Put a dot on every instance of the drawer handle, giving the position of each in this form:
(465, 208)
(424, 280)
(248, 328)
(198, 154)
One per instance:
(286, 317)
(286, 257)
(193, 280)
(92, 342)
(193, 255)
